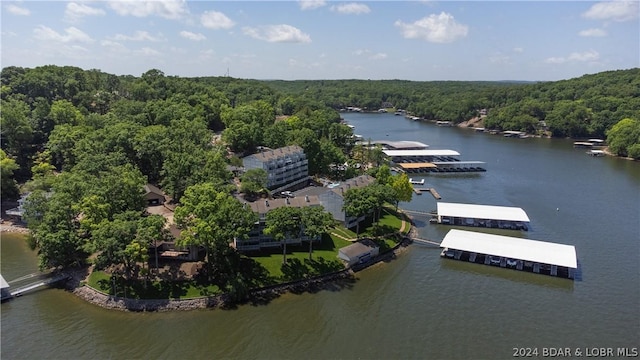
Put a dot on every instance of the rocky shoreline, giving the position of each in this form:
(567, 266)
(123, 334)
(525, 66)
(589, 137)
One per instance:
(77, 278)
(258, 296)
(336, 280)
(12, 227)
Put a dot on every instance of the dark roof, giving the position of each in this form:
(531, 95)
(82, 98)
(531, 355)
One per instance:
(277, 153)
(263, 206)
(356, 182)
(151, 189)
(360, 247)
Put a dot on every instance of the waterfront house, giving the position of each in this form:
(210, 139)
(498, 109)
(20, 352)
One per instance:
(359, 252)
(286, 167)
(168, 250)
(333, 199)
(153, 196)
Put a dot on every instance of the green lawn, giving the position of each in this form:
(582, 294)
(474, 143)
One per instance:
(324, 260)
(266, 267)
(344, 232)
(165, 289)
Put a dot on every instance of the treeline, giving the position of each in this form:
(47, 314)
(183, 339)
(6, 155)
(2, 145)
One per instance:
(68, 118)
(582, 107)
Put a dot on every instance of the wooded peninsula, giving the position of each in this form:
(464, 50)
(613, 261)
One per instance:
(92, 150)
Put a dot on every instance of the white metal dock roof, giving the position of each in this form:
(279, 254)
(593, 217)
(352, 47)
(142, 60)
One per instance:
(472, 162)
(424, 152)
(475, 211)
(3, 283)
(402, 144)
(512, 247)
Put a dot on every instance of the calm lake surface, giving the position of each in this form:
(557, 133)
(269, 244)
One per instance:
(417, 306)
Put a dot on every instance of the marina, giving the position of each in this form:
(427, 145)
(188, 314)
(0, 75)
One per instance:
(535, 256)
(425, 161)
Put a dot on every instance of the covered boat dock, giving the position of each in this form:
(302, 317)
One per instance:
(431, 161)
(399, 145)
(491, 216)
(535, 256)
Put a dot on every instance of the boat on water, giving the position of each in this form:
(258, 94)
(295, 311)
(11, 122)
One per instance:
(596, 153)
(416, 182)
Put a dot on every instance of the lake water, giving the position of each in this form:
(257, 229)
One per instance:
(417, 306)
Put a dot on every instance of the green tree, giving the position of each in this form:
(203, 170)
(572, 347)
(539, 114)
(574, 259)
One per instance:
(9, 187)
(151, 229)
(315, 222)
(110, 239)
(17, 132)
(402, 188)
(623, 135)
(357, 203)
(64, 112)
(212, 219)
(282, 224)
(254, 181)
(55, 235)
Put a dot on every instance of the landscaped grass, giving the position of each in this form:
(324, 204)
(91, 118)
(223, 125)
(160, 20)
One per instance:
(135, 289)
(324, 260)
(344, 232)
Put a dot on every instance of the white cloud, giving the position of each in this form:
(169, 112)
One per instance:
(351, 8)
(435, 28)
(499, 58)
(168, 9)
(593, 33)
(587, 56)
(555, 60)
(311, 4)
(518, 50)
(17, 10)
(75, 11)
(216, 20)
(378, 56)
(613, 10)
(590, 55)
(72, 34)
(361, 52)
(113, 46)
(138, 36)
(192, 36)
(147, 51)
(278, 33)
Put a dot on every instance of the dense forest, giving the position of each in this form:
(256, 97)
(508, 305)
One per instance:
(84, 142)
(582, 107)
(63, 118)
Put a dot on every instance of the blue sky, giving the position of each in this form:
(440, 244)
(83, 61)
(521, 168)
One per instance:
(291, 40)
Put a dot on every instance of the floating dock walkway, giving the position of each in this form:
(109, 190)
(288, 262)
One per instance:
(433, 192)
(44, 280)
(425, 241)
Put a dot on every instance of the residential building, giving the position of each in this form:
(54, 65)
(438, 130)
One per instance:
(258, 239)
(286, 167)
(153, 195)
(333, 199)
